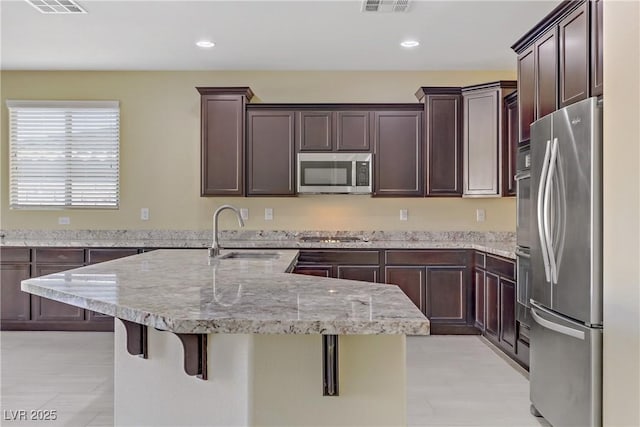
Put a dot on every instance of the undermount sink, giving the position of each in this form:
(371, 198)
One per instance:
(250, 255)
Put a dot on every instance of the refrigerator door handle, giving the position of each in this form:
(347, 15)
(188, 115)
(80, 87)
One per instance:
(547, 212)
(539, 208)
(561, 329)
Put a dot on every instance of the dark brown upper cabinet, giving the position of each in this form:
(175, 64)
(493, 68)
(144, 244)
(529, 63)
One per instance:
(222, 140)
(596, 47)
(270, 153)
(333, 130)
(353, 129)
(559, 61)
(510, 144)
(398, 153)
(483, 137)
(537, 82)
(315, 130)
(443, 131)
(573, 39)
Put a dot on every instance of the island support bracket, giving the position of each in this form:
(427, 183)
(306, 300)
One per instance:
(195, 354)
(330, 365)
(136, 338)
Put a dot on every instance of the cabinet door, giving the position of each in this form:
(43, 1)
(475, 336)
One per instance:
(95, 256)
(479, 285)
(546, 52)
(411, 280)
(574, 56)
(509, 145)
(314, 270)
(446, 294)
(222, 152)
(596, 47)
(352, 130)
(270, 158)
(444, 145)
(398, 153)
(508, 314)
(481, 144)
(315, 130)
(44, 309)
(15, 304)
(492, 315)
(526, 93)
(364, 273)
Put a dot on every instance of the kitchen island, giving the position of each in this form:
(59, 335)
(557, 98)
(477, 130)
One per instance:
(237, 340)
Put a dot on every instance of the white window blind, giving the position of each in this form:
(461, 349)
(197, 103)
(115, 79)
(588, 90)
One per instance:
(64, 154)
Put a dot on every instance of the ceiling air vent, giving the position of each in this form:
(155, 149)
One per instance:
(385, 5)
(56, 6)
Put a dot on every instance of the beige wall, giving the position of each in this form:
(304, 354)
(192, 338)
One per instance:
(160, 151)
(621, 214)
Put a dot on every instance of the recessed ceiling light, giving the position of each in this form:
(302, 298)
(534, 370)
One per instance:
(410, 43)
(57, 6)
(205, 43)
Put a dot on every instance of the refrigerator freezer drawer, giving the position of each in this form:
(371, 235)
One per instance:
(565, 370)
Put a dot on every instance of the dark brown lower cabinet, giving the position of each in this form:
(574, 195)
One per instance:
(492, 310)
(23, 311)
(439, 284)
(343, 264)
(15, 266)
(508, 314)
(495, 311)
(479, 288)
(44, 309)
(410, 280)
(362, 273)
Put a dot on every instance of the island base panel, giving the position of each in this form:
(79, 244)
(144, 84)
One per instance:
(260, 380)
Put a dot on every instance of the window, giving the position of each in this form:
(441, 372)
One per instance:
(64, 154)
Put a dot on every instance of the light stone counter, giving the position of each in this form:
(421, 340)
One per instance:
(184, 291)
(267, 341)
(497, 243)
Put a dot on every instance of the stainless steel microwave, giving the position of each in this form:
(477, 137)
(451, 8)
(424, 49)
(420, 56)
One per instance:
(347, 173)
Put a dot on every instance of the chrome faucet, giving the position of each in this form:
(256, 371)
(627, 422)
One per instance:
(214, 250)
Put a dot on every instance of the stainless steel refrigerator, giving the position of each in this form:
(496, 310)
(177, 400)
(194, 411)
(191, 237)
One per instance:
(566, 266)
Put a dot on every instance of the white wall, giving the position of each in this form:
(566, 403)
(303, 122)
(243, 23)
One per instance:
(621, 213)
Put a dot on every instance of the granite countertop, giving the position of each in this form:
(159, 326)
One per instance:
(184, 291)
(497, 243)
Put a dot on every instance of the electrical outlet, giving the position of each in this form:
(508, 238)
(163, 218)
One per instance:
(144, 214)
(480, 215)
(404, 214)
(268, 214)
(64, 220)
(244, 213)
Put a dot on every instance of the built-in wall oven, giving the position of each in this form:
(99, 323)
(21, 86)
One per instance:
(523, 237)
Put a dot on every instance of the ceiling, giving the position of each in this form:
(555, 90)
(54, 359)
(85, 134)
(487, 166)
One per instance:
(266, 35)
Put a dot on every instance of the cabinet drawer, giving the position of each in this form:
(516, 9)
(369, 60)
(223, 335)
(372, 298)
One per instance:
(501, 266)
(100, 255)
(339, 257)
(426, 257)
(15, 255)
(59, 255)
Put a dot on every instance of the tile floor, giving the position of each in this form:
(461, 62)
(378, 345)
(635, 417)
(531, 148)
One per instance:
(452, 381)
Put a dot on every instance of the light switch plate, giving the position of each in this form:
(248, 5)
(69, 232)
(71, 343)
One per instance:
(244, 213)
(480, 215)
(268, 214)
(404, 214)
(144, 214)
(64, 220)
